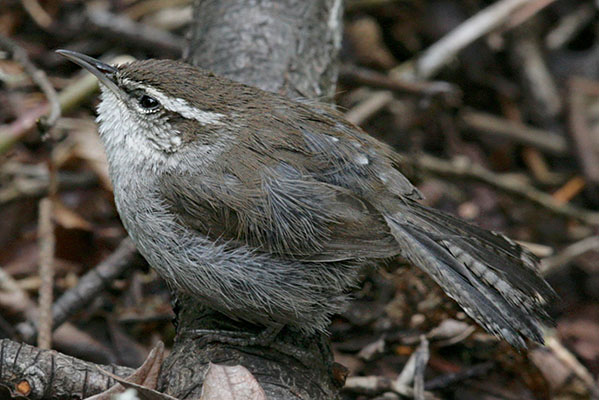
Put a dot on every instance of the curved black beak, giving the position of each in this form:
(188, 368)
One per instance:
(105, 73)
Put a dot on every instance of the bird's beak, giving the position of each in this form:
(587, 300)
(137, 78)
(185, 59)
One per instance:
(105, 73)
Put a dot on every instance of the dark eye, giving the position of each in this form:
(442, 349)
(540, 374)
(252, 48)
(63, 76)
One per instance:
(148, 102)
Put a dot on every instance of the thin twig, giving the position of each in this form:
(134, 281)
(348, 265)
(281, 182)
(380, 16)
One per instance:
(541, 139)
(124, 258)
(47, 245)
(580, 90)
(139, 10)
(525, 13)
(123, 28)
(422, 356)
(14, 299)
(45, 226)
(443, 381)
(569, 190)
(39, 77)
(373, 385)
(15, 131)
(569, 26)
(539, 167)
(37, 13)
(529, 57)
(430, 62)
(364, 76)
(68, 98)
(367, 108)
(569, 359)
(413, 371)
(16, 302)
(464, 169)
(551, 264)
(433, 59)
(32, 181)
(46, 261)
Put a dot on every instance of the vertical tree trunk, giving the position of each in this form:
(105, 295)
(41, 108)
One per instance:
(289, 47)
(285, 46)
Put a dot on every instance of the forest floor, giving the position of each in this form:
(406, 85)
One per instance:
(501, 129)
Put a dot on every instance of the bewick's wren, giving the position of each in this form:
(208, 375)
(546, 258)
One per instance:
(263, 208)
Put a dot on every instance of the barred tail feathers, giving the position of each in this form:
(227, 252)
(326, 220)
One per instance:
(492, 278)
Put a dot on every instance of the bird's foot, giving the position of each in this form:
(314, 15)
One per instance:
(265, 338)
(236, 338)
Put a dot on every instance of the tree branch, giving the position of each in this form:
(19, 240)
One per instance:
(45, 374)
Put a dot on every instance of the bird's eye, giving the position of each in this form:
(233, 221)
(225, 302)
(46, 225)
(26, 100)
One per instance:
(148, 102)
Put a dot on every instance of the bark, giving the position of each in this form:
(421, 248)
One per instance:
(46, 374)
(285, 46)
(289, 47)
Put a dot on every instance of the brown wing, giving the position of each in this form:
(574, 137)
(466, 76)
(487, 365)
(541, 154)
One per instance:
(284, 213)
(302, 187)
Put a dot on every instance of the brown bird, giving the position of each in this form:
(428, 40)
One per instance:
(264, 208)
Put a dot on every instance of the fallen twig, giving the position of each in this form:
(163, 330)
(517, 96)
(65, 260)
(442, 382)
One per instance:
(68, 98)
(123, 28)
(45, 226)
(367, 108)
(537, 79)
(539, 167)
(587, 150)
(139, 10)
(565, 356)
(464, 169)
(569, 190)
(430, 62)
(46, 262)
(37, 13)
(433, 59)
(443, 381)
(551, 264)
(413, 371)
(569, 26)
(38, 76)
(363, 76)
(525, 13)
(519, 132)
(16, 302)
(33, 182)
(125, 257)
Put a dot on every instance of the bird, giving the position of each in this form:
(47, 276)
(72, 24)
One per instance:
(265, 208)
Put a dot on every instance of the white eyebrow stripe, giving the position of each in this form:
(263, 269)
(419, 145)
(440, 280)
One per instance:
(179, 106)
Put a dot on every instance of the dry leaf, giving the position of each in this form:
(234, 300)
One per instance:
(146, 375)
(224, 382)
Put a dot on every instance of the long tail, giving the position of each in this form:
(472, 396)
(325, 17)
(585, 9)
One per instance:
(492, 278)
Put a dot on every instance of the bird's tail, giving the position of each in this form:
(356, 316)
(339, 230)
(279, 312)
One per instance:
(492, 278)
